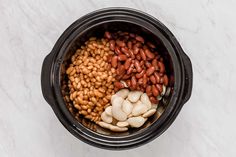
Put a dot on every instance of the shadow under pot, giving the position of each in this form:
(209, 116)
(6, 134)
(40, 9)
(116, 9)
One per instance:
(178, 69)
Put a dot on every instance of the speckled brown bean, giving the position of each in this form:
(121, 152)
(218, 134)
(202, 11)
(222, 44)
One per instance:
(149, 90)
(159, 87)
(142, 54)
(150, 70)
(165, 80)
(137, 66)
(119, 85)
(114, 61)
(139, 38)
(130, 70)
(153, 100)
(122, 57)
(161, 67)
(112, 45)
(107, 35)
(133, 82)
(149, 54)
(125, 50)
(153, 79)
(128, 63)
(139, 75)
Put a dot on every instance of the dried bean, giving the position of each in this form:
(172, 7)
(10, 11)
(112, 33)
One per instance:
(150, 70)
(137, 66)
(128, 63)
(149, 54)
(142, 54)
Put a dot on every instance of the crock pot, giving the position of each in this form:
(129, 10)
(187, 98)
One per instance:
(178, 65)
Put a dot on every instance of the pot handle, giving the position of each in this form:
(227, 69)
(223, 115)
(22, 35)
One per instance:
(188, 78)
(46, 79)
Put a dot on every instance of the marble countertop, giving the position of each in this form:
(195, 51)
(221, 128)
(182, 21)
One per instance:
(206, 125)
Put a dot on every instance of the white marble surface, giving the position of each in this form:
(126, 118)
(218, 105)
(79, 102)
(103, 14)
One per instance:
(206, 125)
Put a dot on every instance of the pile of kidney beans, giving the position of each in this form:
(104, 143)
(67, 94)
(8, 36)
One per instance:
(137, 63)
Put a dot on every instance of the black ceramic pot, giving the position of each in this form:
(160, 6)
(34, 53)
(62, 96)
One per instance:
(178, 65)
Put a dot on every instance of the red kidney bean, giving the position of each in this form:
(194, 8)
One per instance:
(136, 50)
(138, 57)
(117, 50)
(161, 67)
(107, 35)
(122, 57)
(150, 70)
(165, 80)
(140, 81)
(128, 83)
(142, 89)
(138, 88)
(134, 70)
(120, 43)
(155, 91)
(142, 54)
(133, 82)
(149, 54)
(112, 45)
(114, 61)
(130, 70)
(139, 75)
(153, 79)
(161, 80)
(130, 44)
(121, 70)
(153, 100)
(132, 53)
(148, 64)
(154, 63)
(151, 45)
(141, 63)
(119, 85)
(138, 44)
(139, 38)
(109, 58)
(131, 35)
(126, 76)
(158, 78)
(159, 87)
(137, 66)
(145, 80)
(149, 90)
(128, 63)
(125, 50)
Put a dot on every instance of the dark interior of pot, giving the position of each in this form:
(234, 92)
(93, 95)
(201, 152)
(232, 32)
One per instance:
(98, 31)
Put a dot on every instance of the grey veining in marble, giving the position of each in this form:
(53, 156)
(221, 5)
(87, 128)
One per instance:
(206, 125)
